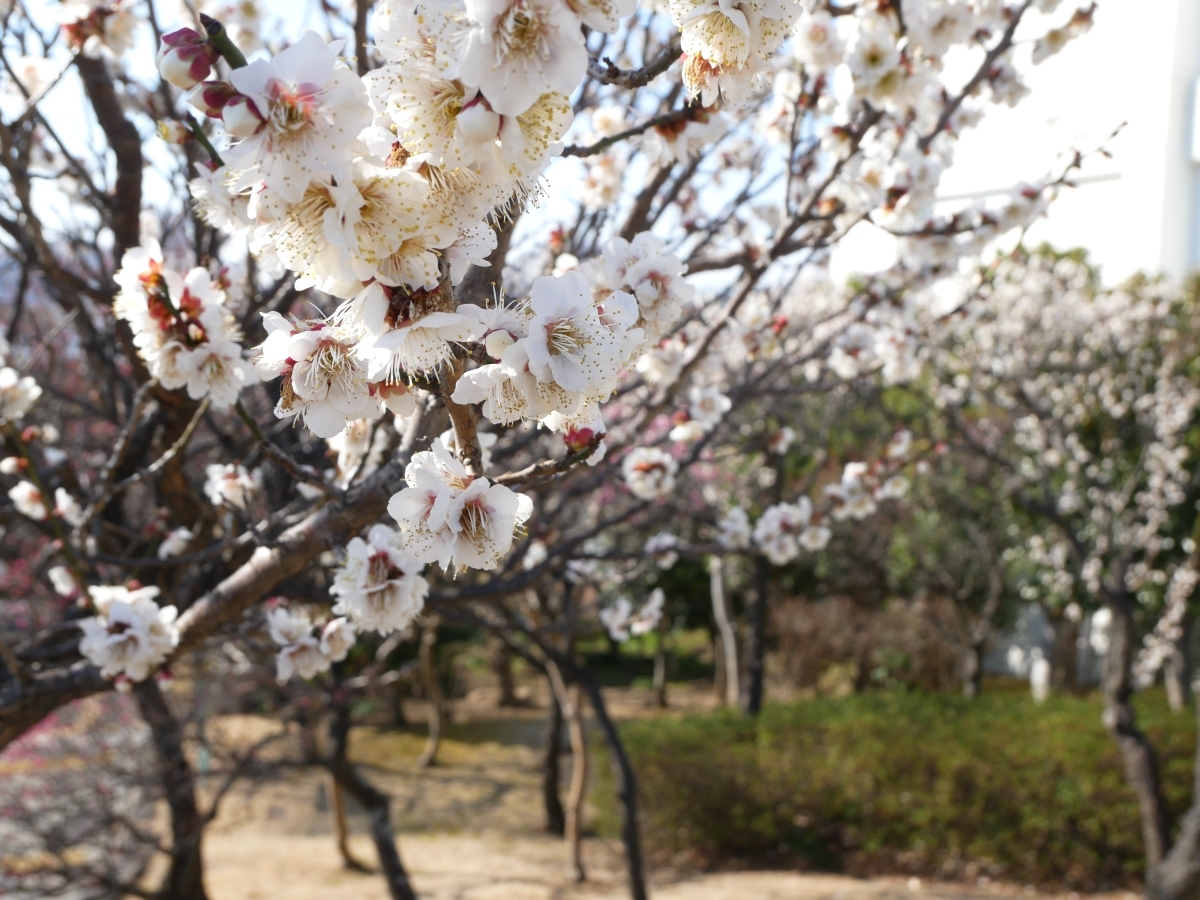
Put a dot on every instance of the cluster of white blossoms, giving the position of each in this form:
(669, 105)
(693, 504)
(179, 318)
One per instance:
(230, 484)
(453, 518)
(304, 651)
(379, 588)
(18, 392)
(1097, 387)
(704, 412)
(728, 43)
(131, 635)
(649, 472)
(622, 621)
(785, 528)
(181, 327)
(558, 355)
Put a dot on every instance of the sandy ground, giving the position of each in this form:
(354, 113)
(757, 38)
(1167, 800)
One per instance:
(467, 828)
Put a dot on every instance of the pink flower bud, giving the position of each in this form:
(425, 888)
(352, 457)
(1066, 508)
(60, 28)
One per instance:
(210, 97)
(185, 58)
(241, 117)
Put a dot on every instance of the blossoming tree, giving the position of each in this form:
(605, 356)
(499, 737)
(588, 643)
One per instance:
(460, 292)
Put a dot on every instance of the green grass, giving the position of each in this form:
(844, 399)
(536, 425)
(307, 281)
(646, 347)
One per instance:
(904, 783)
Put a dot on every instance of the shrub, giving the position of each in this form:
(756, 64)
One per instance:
(914, 783)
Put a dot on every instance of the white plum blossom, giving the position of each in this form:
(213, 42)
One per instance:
(175, 543)
(18, 393)
(323, 382)
(229, 485)
(518, 50)
(67, 508)
(649, 472)
(453, 518)
(620, 620)
(295, 114)
(664, 548)
(303, 652)
(63, 581)
(733, 529)
(852, 498)
(777, 532)
(379, 588)
(29, 501)
(130, 635)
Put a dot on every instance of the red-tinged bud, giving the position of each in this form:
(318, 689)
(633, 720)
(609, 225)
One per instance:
(123, 684)
(165, 677)
(580, 439)
(241, 117)
(134, 585)
(185, 58)
(30, 433)
(275, 602)
(779, 325)
(941, 447)
(681, 417)
(174, 132)
(210, 97)
(56, 544)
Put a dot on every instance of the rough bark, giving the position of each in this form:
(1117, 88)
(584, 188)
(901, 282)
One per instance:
(25, 703)
(341, 830)
(374, 801)
(185, 874)
(725, 628)
(573, 830)
(1141, 765)
(626, 785)
(1065, 671)
(660, 664)
(501, 661)
(433, 694)
(972, 671)
(756, 640)
(1177, 877)
(556, 822)
(1175, 673)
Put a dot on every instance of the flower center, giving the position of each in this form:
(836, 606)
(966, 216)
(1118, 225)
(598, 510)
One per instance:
(564, 337)
(521, 32)
(475, 522)
(290, 111)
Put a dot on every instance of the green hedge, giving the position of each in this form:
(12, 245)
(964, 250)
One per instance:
(903, 783)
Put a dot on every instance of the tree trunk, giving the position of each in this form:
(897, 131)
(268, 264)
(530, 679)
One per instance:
(724, 622)
(1141, 766)
(501, 660)
(342, 830)
(556, 822)
(573, 831)
(374, 801)
(1175, 672)
(626, 785)
(1177, 877)
(756, 639)
(972, 674)
(433, 694)
(1066, 656)
(185, 875)
(660, 664)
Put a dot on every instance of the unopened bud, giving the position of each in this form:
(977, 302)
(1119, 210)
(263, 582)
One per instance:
(478, 124)
(185, 58)
(497, 342)
(241, 117)
(174, 132)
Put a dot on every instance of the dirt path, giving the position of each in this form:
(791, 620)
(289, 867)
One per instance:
(468, 828)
